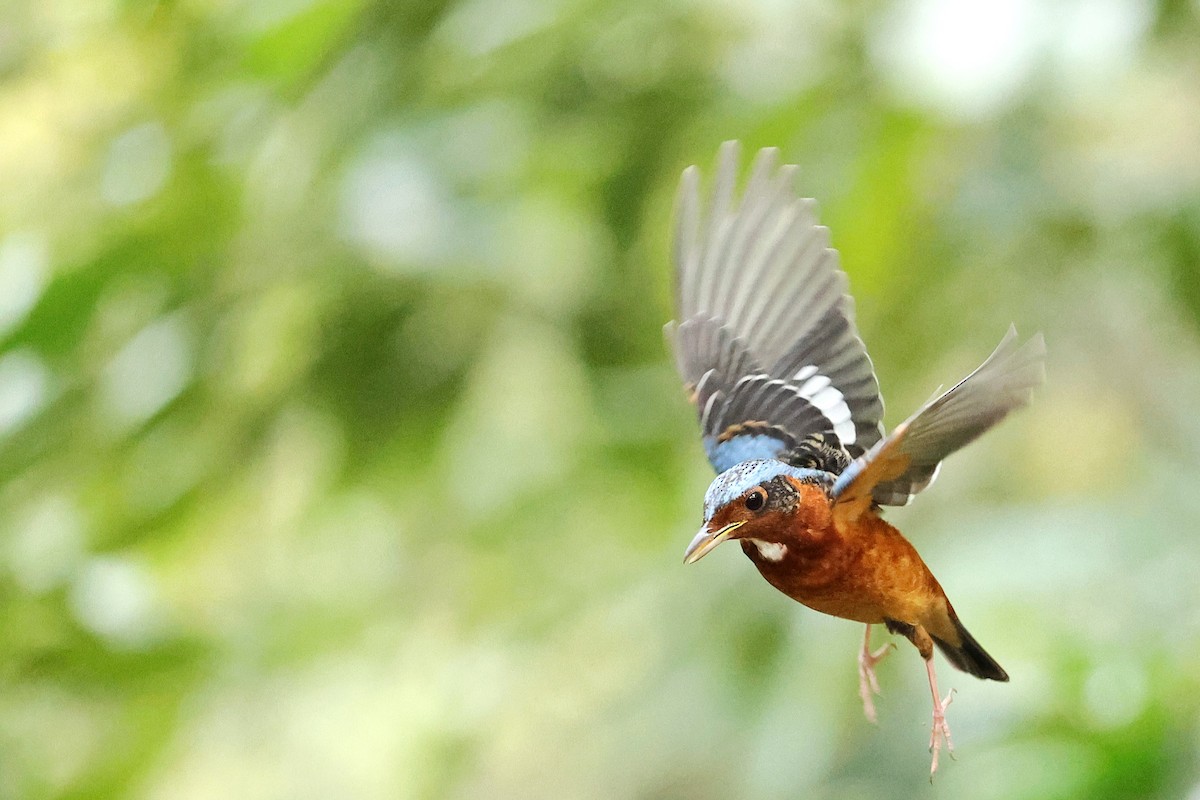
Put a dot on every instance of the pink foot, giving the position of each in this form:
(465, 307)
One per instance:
(868, 684)
(940, 730)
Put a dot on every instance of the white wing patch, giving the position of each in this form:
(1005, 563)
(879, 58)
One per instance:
(819, 390)
(806, 372)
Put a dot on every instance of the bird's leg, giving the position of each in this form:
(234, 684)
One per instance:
(868, 684)
(940, 729)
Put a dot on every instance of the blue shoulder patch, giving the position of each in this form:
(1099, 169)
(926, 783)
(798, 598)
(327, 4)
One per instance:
(847, 477)
(732, 452)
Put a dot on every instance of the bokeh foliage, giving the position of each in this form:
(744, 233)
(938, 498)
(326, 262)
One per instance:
(340, 454)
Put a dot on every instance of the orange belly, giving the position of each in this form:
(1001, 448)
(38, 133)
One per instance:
(869, 575)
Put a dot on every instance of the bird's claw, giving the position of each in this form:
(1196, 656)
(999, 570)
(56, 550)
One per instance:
(940, 731)
(868, 683)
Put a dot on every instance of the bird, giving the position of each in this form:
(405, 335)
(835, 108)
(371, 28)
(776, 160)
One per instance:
(790, 414)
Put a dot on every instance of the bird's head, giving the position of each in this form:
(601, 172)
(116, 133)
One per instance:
(760, 500)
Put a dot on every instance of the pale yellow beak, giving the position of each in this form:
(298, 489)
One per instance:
(706, 541)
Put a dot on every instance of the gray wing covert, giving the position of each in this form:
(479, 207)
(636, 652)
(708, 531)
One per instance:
(766, 342)
(907, 461)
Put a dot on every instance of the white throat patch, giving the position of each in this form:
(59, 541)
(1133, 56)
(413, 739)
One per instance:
(771, 551)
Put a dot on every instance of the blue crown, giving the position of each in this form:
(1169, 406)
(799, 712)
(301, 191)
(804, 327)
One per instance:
(736, 481)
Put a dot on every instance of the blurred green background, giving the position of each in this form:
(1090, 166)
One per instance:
(341, 455)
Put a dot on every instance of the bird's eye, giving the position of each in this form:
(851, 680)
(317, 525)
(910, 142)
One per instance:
(755, 500)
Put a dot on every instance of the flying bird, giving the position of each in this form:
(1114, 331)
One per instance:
(790, 415)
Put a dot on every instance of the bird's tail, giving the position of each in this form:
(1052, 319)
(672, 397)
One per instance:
(969, 656)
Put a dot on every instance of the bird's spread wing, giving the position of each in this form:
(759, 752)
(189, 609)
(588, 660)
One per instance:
(766, 341)
(907, 461)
